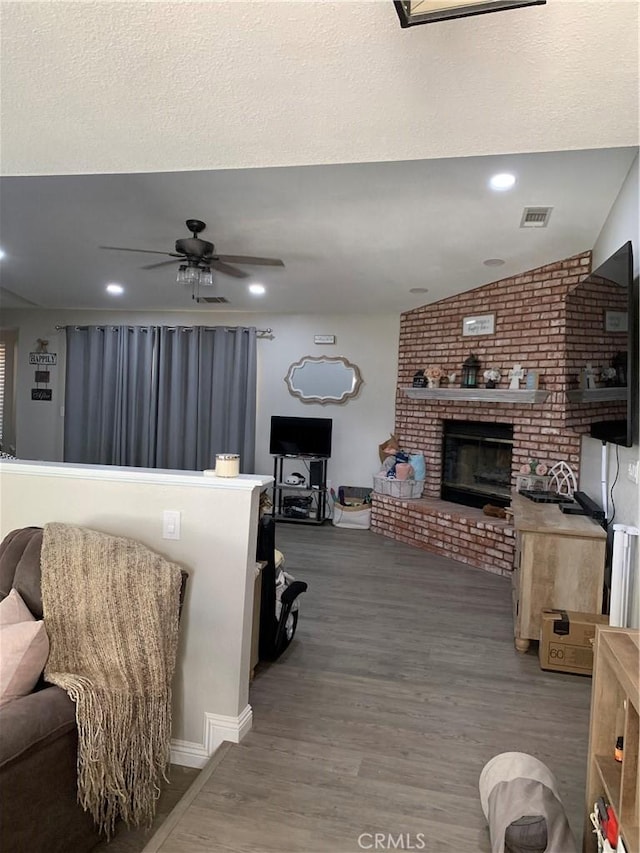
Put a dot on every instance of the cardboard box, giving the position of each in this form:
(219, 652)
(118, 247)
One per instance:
(566, 640)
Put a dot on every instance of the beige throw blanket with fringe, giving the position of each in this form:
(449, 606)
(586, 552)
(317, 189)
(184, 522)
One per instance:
(111, 612)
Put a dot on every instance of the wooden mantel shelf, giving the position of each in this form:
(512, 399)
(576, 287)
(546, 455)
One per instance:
(477, 395)
(597, 395)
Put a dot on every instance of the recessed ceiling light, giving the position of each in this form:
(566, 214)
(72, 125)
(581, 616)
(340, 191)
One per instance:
(257, 289)
(419, 290)
(115, 289)
(493, 262)
(503, 181)
(1, 254)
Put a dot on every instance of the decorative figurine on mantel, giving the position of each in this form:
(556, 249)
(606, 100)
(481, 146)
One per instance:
(434, 375)
(470, 368)
(609, 376)
(491, 377)
(452, 378)
(419, 379)
(516, 375)
(588, 378)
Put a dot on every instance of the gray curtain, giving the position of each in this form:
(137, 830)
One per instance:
(160, 397)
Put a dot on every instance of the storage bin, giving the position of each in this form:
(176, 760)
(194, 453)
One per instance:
(403, 489)
(356, 515)
(352, 517)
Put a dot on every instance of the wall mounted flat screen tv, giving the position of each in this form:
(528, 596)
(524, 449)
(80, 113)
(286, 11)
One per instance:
(602, 336)
(300, 436)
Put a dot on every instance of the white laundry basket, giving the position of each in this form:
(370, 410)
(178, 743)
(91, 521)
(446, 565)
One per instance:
(355, 513)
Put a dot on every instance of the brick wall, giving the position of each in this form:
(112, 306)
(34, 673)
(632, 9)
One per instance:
(462, 533)
(530, 329)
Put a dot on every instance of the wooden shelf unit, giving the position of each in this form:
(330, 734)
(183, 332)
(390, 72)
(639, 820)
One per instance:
(615, 700)
(559, 563)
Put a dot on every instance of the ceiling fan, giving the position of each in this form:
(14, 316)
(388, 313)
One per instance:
(195, 254)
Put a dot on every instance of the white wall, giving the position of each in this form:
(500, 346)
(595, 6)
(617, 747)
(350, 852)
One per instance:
(359, 425)
(621, 225)
(217, 547)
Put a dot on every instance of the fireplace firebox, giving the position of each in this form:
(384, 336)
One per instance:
(476, 463)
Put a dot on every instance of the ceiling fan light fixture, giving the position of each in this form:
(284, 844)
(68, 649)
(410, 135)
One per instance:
(206, 278)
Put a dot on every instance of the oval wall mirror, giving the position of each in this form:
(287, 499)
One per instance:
(323, 379)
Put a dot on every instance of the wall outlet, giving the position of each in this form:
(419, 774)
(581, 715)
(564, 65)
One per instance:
(632, 472)
(170, 524)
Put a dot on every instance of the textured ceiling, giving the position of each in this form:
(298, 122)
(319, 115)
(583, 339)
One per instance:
(355, 238)
(164, 111)
(91, 87)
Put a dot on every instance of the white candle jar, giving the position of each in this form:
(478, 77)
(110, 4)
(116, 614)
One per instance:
(227, 464)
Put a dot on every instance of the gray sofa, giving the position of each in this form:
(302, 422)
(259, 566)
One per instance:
(38, 738)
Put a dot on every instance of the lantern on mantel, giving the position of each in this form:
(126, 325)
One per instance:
(470, 369)
(619, 362)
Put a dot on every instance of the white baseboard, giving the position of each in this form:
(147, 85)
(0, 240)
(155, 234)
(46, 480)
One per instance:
(188, 753)
(217, 729)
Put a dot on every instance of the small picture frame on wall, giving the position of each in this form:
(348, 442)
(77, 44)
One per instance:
(480, 324)
(532, 380)
(616, 321)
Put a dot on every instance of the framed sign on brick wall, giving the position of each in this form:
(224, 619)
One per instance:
(616, 321)
(480, 324)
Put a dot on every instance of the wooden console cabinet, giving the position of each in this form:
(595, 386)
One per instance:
(615, 709)
(559, 563)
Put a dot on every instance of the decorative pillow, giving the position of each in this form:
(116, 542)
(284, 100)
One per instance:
(24, 649)
(14, 610)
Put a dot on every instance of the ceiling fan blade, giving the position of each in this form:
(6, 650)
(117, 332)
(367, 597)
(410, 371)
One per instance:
(225, 268)
(247, 259)
(162, 263)
(144, 251)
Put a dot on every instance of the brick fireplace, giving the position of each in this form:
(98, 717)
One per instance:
(530, 325)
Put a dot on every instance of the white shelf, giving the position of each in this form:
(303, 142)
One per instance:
(597, 395)
(477, 395)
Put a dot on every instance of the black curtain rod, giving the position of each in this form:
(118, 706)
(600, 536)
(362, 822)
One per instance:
(260, 333)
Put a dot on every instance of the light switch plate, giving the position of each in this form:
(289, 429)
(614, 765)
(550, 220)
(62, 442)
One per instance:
(170, 524)
(632, 472)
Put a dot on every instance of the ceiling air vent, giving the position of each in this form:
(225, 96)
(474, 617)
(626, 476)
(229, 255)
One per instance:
(216, 300)
(535, 217)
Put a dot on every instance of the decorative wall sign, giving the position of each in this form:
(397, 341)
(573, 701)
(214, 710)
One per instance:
(481, 324)
(324, 339)
(45, 394)
(43, 377)
(43, 358)
(616, 321)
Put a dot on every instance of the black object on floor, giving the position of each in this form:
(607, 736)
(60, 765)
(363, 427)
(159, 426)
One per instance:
(276, 630)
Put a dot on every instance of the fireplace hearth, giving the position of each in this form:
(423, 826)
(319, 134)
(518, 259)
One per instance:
(476, 463)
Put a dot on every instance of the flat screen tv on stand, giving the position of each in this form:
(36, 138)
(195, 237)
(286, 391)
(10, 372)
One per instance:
(291, 436)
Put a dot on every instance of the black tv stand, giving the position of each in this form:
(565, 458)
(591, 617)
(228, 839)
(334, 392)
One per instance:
(305, 503)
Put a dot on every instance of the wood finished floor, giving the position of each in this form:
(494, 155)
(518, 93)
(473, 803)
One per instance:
(401, 683)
